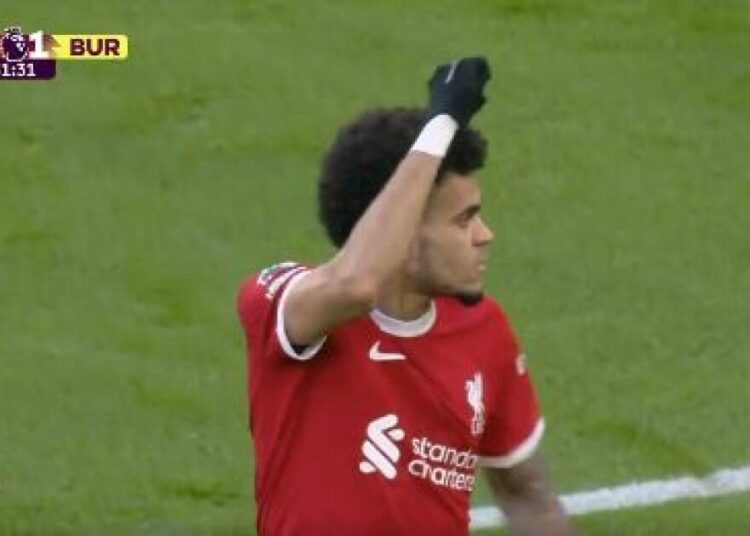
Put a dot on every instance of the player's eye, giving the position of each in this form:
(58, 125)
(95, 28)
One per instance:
(465, 220)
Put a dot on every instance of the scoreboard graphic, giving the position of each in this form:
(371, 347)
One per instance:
(34, 56)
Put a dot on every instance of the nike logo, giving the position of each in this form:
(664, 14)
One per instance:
(377, 355)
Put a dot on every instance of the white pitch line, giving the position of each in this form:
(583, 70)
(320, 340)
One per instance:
(722, 482)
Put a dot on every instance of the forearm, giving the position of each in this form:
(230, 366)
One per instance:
(536, 516)
(380, 240)
(524, 494)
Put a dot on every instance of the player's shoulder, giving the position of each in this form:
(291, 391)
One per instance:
(484, 326)
(487, 309)
(494, 309)
(264, 285)
(486, 320)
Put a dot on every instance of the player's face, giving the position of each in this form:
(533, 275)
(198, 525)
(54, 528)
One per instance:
(450, 252)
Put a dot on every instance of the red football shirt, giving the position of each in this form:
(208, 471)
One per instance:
(378, 428)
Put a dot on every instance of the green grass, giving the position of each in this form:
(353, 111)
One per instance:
(135, 196)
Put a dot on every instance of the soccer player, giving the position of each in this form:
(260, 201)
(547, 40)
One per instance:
(382, 379)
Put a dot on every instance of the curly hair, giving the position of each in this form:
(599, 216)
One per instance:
(365, 154)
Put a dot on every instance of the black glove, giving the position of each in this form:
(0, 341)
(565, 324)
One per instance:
(457, 89)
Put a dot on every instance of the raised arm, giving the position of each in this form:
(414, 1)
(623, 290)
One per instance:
(349, 284)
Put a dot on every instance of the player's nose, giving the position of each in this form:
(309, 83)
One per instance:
(482, 233)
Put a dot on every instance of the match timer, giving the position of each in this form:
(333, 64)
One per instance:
(34, 56)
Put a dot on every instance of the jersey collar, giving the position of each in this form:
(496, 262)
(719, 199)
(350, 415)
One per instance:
(405, 328)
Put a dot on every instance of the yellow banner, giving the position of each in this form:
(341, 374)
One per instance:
(88, 47)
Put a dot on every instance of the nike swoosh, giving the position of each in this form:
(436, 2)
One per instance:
(377, 355)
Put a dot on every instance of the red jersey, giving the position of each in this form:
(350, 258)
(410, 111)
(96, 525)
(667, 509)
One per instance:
(378, 428)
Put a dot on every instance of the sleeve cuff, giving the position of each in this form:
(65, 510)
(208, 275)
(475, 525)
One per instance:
(521, 453)
(311, 349)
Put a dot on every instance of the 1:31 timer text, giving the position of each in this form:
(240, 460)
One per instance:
(23, 69)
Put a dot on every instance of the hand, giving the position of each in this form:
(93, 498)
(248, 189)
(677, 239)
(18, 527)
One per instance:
(457, 89)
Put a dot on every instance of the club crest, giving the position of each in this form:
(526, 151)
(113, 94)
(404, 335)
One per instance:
(474, 396)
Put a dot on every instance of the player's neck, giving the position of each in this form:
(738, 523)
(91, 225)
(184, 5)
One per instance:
(403, 303)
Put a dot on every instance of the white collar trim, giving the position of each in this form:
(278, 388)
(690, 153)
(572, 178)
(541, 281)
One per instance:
(405, 328)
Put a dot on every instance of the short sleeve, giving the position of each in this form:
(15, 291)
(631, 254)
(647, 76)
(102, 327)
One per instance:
(515, 426)
(261, 309)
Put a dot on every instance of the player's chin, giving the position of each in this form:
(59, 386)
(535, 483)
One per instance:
(470, 298)
(470, 294)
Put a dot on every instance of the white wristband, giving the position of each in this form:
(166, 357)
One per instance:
(436, 136)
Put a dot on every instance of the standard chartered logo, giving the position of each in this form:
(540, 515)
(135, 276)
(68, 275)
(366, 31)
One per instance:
(379, 448)
(440, 464)
(443, 465)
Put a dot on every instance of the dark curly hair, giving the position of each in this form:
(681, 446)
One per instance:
(365, 154)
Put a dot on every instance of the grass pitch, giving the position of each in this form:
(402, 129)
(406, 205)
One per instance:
(135, 196)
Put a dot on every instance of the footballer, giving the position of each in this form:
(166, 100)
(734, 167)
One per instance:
(383, 380)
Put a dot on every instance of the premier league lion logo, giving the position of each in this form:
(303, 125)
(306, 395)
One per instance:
(13, 45)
